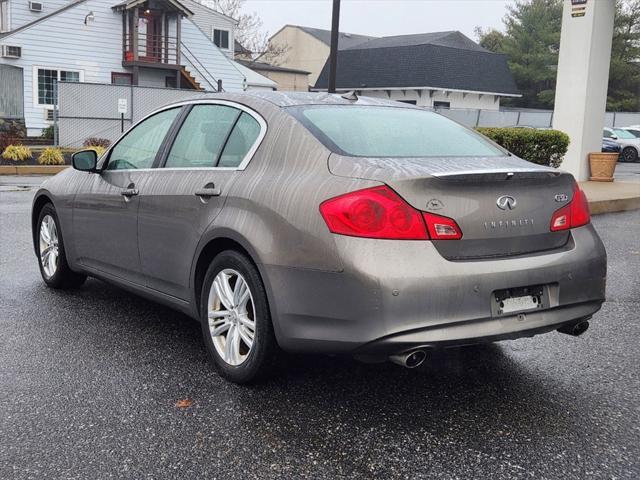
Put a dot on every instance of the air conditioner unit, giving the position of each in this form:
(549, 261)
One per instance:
(48, 114)
(11, 51)
(35, 6)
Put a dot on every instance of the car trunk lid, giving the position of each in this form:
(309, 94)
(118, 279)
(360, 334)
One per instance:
(503, 205)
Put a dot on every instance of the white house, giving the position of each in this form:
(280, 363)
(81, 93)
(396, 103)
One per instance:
(161, 43)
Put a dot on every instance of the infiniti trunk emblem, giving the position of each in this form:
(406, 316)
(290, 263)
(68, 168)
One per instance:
(506, 202)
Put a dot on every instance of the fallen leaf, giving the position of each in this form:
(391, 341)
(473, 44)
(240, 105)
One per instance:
(185, 403)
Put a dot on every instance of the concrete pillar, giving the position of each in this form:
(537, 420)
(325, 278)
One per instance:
(583, 77)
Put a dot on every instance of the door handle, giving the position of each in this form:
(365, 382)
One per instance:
(130, 191)
(208, 191)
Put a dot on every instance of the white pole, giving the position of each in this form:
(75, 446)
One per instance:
(583, 77)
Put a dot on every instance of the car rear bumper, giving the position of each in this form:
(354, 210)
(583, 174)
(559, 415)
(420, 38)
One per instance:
(394, 295)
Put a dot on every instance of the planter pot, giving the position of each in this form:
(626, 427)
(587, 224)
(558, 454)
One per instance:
(602, 166)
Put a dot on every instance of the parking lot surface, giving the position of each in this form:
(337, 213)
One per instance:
(91, 380)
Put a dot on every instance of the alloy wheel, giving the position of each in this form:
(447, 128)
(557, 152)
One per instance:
(48, 242)
(231, 316)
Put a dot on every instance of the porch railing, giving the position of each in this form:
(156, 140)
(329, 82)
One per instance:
(151, 49)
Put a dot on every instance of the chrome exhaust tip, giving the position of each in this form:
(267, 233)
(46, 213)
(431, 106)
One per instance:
(411, 359)
(576, 329)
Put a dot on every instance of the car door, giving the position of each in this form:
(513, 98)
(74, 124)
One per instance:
(105, 209)
(181, 199)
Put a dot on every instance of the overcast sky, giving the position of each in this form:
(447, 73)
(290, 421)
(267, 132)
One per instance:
(382, 17)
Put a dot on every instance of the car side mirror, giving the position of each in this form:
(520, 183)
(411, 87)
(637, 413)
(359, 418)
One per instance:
(614, 137)
(85, 160)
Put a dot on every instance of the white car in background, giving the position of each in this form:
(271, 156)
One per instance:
(633, 129)
(628, 141)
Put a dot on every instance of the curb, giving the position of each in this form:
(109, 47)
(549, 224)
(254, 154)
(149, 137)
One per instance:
(31, 169)
(614, 205)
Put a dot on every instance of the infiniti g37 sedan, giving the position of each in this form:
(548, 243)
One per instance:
(328, 224)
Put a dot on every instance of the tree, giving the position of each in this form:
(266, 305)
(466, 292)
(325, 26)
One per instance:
(624, 71)
(249, 32)
(491, 39)
(532, 40)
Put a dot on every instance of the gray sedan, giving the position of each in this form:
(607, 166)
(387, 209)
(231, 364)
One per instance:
(327, 224)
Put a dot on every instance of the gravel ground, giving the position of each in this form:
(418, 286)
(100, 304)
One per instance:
(90, 380)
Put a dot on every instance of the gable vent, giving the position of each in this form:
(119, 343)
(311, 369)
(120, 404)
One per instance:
(35, 6)
(11, 51)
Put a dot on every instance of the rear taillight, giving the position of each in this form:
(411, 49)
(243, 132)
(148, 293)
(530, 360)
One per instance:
(379, 212)
(572, 215)
(442, 228)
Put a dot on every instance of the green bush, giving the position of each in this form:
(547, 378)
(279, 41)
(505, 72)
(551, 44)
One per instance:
(544, 147)
(47, 133)
(51, 156)
(16, 153)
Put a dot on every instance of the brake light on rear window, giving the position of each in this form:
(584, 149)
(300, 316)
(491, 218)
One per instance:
(572, 215)
(379, 212)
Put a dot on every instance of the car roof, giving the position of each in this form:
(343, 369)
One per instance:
(292, 99)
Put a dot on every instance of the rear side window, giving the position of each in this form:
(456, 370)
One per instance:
(244, 135)
(371, 131)
(202, 136)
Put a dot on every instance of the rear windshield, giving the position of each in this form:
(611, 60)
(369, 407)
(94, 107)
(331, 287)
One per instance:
(370, 131)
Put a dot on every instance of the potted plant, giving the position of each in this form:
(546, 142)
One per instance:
(602, 166)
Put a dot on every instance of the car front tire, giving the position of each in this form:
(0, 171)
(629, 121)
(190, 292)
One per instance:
(235, 318)
(52, 258)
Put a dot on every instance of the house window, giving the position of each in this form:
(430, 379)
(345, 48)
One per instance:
(121, 78)
(438, 104)
(46, 81)
(221, 38)
(4, 15)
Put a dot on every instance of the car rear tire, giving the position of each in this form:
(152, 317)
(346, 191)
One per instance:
(630, 154)
(52, 258)
(235, 318)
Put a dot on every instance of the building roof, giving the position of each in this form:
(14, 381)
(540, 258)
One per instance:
(452, 39)
(253, 78)
(345, 40)
(240, 49)
(267, 67)
(443, 60)
(129, 4)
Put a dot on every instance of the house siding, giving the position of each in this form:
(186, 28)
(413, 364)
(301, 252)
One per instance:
(63, 41)
(455, 99)
(207, 19)
(304, 52)
(21, 15)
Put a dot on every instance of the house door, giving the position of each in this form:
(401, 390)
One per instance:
(151, 36)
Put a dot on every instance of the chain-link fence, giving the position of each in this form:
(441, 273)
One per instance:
(105, 111)
(526, 118)
(90, 110)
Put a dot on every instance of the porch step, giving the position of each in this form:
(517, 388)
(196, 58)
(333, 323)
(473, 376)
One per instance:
(190, 79)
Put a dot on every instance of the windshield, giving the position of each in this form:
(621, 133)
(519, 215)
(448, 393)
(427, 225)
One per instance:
(623, 133)
(371, 131)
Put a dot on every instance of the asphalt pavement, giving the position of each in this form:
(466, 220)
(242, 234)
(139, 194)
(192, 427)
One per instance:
(97, 383)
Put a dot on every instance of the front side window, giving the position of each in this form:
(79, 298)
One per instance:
(202, 136)
(4, 15)
(221, 38)
(138, 148)
(47, 78)
(372, 131)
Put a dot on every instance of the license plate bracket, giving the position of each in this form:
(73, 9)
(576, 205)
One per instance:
(511, 301)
